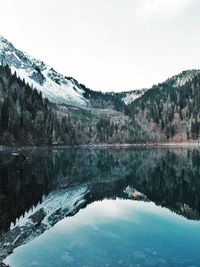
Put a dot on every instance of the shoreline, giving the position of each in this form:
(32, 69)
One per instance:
(165, 144)
(104, 145)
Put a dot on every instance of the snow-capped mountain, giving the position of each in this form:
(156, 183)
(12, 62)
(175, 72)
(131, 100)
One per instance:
(53, 85)
(66, 90)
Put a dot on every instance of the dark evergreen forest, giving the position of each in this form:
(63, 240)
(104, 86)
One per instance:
(27, 118)
(164, 113)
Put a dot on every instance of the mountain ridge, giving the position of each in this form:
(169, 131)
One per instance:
(169, 111)
(61, 89)
(58, 88)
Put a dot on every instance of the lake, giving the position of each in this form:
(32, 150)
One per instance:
(104, 206)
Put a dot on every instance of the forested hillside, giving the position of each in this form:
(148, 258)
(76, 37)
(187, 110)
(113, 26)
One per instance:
(170, 110)
(28, 119)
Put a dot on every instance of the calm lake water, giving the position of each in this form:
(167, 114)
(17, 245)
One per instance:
(100, 207)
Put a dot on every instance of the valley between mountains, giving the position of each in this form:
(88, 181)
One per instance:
(39, 106)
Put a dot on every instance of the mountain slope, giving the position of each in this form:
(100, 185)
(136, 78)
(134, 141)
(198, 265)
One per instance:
(56, 87)
(170, 110)
(28, 119)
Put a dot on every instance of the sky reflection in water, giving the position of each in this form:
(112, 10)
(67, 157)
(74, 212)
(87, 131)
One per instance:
(115, 233)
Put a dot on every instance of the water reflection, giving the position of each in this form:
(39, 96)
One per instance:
(168, 177)
(115, 233)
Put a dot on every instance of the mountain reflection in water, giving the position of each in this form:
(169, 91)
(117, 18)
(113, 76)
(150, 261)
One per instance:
(54, 183)
(115, 233)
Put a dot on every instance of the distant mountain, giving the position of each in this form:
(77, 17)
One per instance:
(53, 85)
(130, 96)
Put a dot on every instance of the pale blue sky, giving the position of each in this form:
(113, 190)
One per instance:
(107, 44)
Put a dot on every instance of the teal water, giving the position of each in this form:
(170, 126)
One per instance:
(138, 207)
(115, 233)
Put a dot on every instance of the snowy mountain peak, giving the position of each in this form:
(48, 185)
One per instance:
(53, 85)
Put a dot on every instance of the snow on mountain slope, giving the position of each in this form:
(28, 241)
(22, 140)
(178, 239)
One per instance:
(133, 95)
(53, 85)
(61, 89)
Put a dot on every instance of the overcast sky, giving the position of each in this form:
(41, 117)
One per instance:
(107, 44)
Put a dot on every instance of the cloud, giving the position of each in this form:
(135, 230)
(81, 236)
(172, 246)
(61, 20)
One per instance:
(6, 6)
(156, 9)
